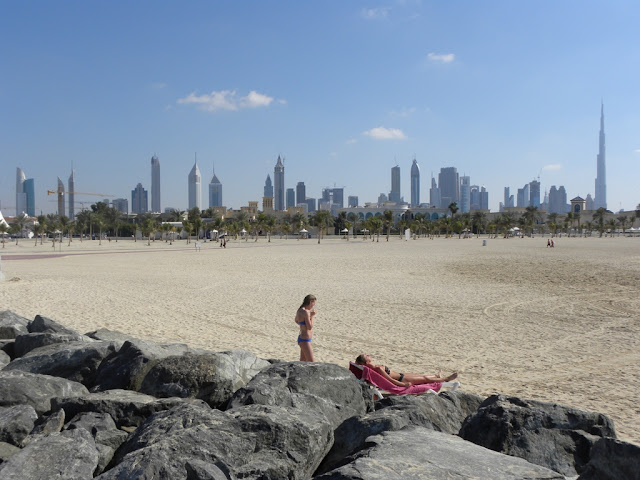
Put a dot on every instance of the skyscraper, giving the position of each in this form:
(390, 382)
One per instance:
(291, 197)
(394, 194)
(21, 197)
(195, 187)
(557, 200)
(278, 178)
(155, 185)
(449, 184)
(534, 193)
(434, 193)
(71, 183)
(508, 199)
(465, 194)
(600, 200)
(337, 197)
(475, 197)
(30, 193)
(268, 187)
(121, 204)
(60, 197)
(415, 184)
(139, 200)
(301, 193)
(215, 192)
(353, 201)
(484, 198)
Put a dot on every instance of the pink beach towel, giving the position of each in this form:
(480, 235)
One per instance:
(382, 383)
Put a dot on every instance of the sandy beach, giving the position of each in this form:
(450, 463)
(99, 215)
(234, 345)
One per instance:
(512, 317)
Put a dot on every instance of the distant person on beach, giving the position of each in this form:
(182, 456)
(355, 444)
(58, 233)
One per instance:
(548, 242)
(304, 318)
(402, 379)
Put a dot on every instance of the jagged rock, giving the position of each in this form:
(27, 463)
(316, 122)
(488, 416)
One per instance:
(51, 424)
(251, 442)
(12, 325)
(416, 453)
(199, 470)
(7, 346)
(30, 341)
(443, 413)
(212, 377)
(76, 361)
(127, 367)
(16, 422)
(111, 336)
(70, 455)
(42, 324)
(612, 459)
(103, 429)
(4, 359)
(18, 388)
(126, 407)
(548, 434)
(6, 450)
(323, 388)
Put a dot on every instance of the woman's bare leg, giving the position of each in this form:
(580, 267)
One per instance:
(306, 352)
(416, 379)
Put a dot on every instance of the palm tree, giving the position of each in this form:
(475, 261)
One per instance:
(99, 223)
(479, 221)
(323, 220)
(387, 220)
(38, 230)
(453, 208)
(3, 230)
(285, 227)
(622, 220)
(611, 226)
(269, 224)
(42, 222)
(19, 225)
(339, 222)
(588, 227)
(568, 221)
(598, 217)
(375, 226)
(148, 227)
(354, 218)
(531, 216)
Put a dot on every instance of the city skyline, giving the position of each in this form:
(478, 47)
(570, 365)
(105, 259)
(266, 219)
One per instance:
(476, 87)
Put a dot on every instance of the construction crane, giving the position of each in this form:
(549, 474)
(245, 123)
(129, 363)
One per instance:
(60, 192)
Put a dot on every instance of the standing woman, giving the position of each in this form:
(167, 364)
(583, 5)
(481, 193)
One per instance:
(304, 318)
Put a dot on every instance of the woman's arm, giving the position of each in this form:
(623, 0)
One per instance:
(381, 371)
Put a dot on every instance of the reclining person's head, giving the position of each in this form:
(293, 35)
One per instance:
(361, 360)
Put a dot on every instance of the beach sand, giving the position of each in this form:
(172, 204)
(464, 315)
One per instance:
(512, 317)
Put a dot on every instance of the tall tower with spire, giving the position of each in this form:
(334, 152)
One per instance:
(278, 178)
(195, 187)
(415, 184)
(155, 184)
(21, 196)
(600, 200)
(60, 197)
(215, 191)
(72, 188)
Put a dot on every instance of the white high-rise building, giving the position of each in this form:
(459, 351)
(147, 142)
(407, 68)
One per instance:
(21, 196)
(72, 188)
(278, 184)
(155, 185)
(600, 200)
(195, 187)
(60, 197)
(415, 184)
(465, 194)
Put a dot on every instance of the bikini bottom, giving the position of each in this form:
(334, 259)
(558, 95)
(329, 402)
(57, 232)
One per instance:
(304, 340)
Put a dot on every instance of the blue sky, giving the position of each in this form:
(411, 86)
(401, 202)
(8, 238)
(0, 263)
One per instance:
(503, 90)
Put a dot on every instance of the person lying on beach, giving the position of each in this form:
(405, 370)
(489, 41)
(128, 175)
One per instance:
(402, 379)
(304, 318)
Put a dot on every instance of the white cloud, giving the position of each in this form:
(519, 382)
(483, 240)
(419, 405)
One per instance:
(227, 100)
(441, 57)
(374, 13)
(405, 112)
(552, 167)
(637, 150)
(158, 86)
(382, 133)
(351, 141)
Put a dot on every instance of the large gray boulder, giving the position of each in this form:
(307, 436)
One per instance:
(42, 324)
(16, 422)
(4, 359)
(30, 341)
(443, 413)
(417, 453)
(543, 433)
(114, 336)
(612, 459)
(6, 451)
(71, 455)
(103, 429)
(127, 408)
(127, 368)
(17, 387)
(76, 361)
(212, 377)
(323, 388)
(7, 346)
(251, 442)
(12, 325)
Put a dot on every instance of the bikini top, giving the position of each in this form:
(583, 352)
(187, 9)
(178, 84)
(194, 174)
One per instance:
(302, 323)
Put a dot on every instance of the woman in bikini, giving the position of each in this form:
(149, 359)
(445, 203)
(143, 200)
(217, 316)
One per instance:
(402, 379)
(304, 318)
